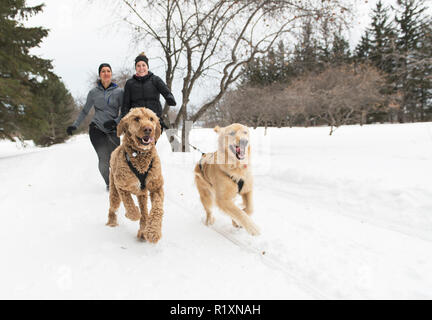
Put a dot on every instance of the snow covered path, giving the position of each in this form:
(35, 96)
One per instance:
(347, 216)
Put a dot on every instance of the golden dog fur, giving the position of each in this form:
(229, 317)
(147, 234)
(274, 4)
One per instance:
(123, 182)
(217, 174)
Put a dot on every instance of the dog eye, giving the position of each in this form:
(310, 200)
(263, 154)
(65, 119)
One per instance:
(151, 119)
(137, 119)
(232, 133)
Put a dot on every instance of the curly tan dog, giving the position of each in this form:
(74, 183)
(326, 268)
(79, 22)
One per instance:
(136, 169)
(221, 175)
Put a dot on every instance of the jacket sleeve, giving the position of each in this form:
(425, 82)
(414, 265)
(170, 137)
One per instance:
(84, 112)
(120, 103)
(165, 91)
(125, 107)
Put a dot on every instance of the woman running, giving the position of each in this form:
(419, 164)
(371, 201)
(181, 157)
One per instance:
(107, 99)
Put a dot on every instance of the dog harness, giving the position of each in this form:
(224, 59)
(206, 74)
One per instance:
(141, 176)
(239, 183)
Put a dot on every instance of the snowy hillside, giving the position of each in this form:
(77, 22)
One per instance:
(343, 216)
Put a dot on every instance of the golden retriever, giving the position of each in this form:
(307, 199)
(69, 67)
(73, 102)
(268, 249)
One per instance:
(221, 175)
(136, 169)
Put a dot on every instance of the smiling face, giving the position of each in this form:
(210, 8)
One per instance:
(141, 128)
(105, 75)
(141, 68)
(234, 140)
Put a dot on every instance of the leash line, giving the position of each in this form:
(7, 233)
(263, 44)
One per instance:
(191, 145)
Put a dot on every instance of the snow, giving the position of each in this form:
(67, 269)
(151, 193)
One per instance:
(347, 216)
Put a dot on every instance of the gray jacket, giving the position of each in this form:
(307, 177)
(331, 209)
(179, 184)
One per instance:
(107, 104)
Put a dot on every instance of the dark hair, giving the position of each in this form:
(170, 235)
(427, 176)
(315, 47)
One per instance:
(103, 65)
(141, 57)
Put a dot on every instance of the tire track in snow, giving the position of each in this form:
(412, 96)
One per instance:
(21, 154)
(380, 223)
(268, 259)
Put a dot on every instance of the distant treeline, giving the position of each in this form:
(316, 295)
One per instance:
(319, 81)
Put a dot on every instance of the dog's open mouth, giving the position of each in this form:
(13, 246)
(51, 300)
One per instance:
(239, 151)
(145, 140)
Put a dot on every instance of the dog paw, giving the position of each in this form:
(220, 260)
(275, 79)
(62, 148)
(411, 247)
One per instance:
(209, 221)
(253, 230)
(112, 222)
(133, 215)
(235, 224)
(152, 235)
(141, 234)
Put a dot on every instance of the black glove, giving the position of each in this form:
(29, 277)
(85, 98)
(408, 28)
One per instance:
(110, 125)
(70, 130)
(162, 124)
(171, 101)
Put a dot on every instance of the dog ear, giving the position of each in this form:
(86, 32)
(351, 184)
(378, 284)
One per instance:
(122, 126)
(217, 129)
(158, 130)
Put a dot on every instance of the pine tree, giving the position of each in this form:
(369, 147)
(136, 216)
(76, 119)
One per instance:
(253, 74)
(423, 72)
(410, 21)
(285, 68)
(19, 70)
(275, 66)
(363, 49)
(383, 36)
(306, 56)
(376, 47)
(45, 120)
(340, 52)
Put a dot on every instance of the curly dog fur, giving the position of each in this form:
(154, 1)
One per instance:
(217, 176)
(141, 130)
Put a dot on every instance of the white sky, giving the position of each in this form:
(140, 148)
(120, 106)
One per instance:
(82, 36)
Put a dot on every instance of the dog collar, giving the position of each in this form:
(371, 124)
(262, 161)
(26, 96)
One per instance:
(134, 153)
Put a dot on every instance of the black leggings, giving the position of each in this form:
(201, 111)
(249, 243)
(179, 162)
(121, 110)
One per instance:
(104, 144)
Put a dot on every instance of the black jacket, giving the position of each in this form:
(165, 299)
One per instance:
(145, 92)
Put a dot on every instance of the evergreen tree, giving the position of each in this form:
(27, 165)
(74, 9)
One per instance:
(376, 47)
(423, 73)
(383, 36)
(46, 118)
(275, 66)
(363, 49)
(340, 52)
(306, 56)
(410, 21)
(254, 74)
(19, 70)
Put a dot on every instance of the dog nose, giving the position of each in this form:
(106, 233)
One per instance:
(243, 142)
(148, 130)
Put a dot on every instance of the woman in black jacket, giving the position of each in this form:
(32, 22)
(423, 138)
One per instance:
(144, 90)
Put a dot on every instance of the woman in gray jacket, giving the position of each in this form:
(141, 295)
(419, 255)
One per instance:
(107, 99)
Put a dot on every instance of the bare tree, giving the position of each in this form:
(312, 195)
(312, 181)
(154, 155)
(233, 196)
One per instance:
(210, 41)
(339, 95)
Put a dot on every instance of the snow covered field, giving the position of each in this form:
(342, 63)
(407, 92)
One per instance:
(347, 216)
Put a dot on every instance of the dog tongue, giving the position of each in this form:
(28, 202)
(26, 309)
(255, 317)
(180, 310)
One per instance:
(238, 150)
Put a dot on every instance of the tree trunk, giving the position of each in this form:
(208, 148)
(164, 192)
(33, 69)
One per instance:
(363, 118)
(186, 127)
(184, 113)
